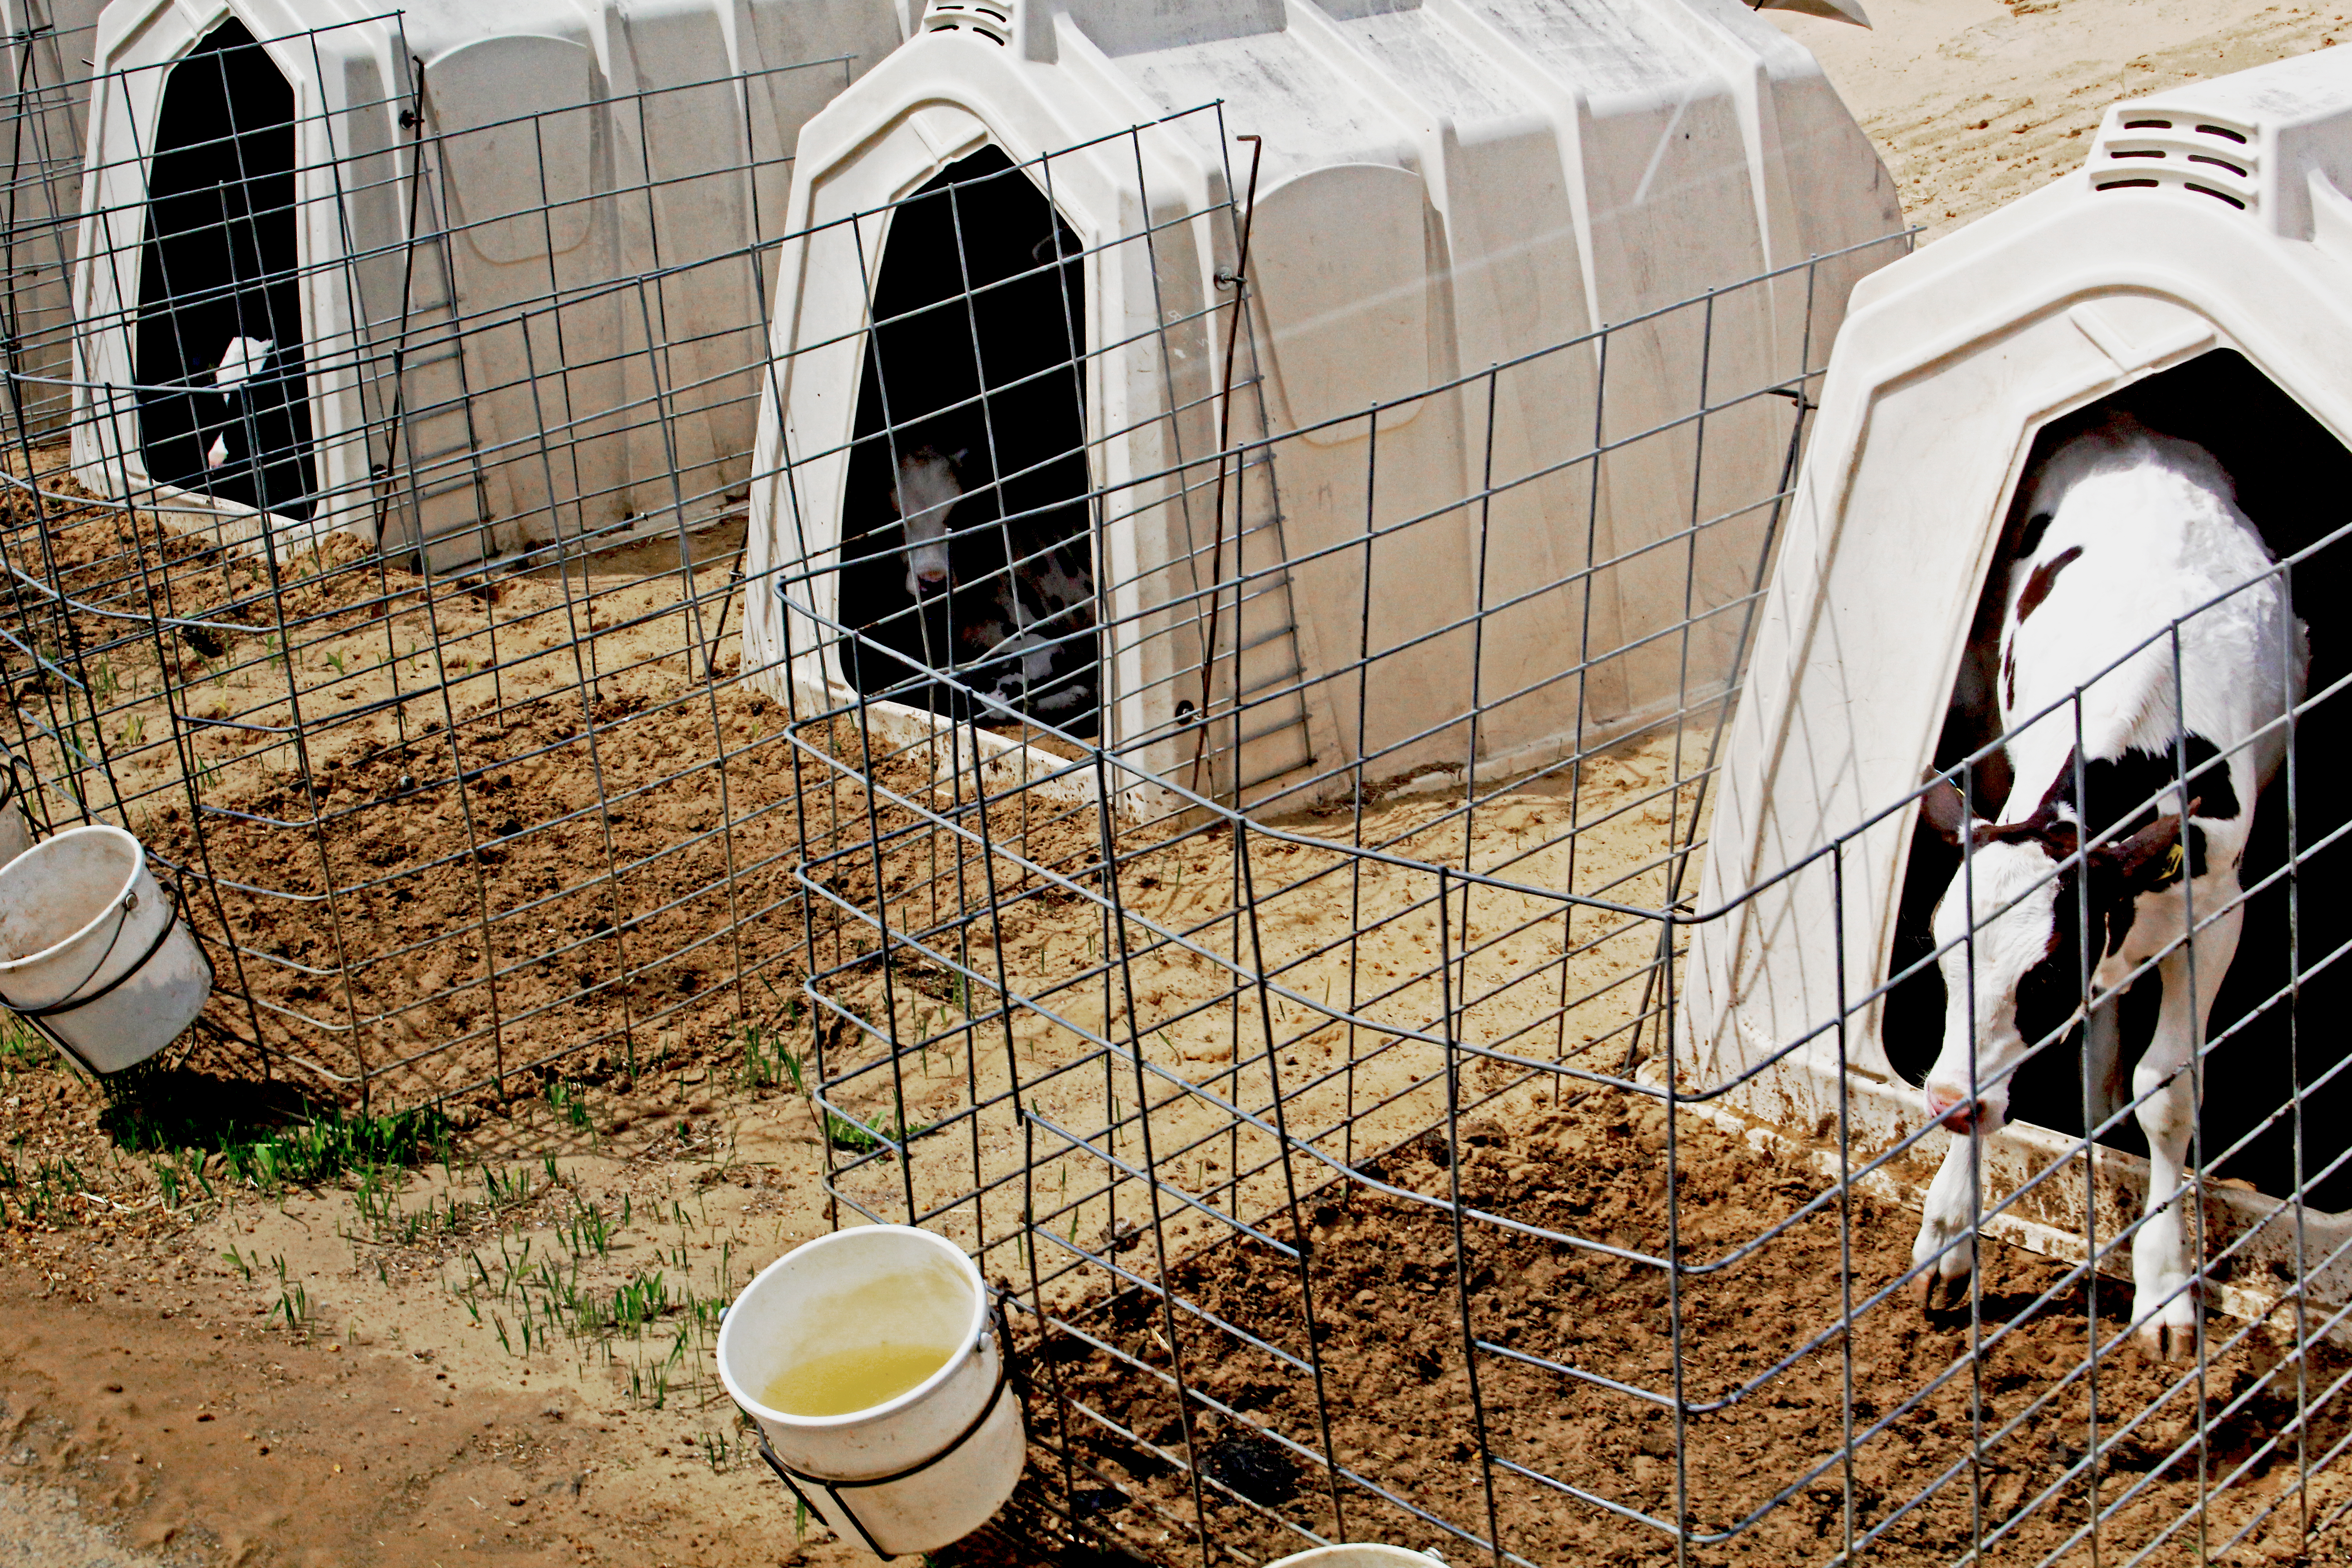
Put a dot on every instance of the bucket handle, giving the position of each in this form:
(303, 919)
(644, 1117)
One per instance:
(832, 1489)
(36, 1015)
(12, 784)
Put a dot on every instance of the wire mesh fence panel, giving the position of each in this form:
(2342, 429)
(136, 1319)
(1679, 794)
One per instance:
(1350, 1161)
(375, 563)
(1357, 1162)
(549, 602)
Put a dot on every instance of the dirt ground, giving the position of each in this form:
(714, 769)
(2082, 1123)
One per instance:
(1388, 1326)
(514, 814)
(163, 1385)
(1531, 975)
(194, 1417)
(341, 1373)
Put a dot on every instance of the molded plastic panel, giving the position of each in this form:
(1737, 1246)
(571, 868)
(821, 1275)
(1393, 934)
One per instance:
(1337, 258)
(1443, 186)
(520, 142)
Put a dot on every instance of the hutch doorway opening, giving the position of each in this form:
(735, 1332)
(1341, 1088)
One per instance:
(967, 539)
(223, 402)
(2289, 979)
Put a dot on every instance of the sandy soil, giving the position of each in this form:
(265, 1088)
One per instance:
(1974, 102)
(44, 1525)
(151, 1368)
(476, 859)
(460, 1283)
(1531, 976)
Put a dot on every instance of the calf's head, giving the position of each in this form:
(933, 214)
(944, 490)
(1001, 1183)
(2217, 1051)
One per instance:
(2021, 892)
(928, 485)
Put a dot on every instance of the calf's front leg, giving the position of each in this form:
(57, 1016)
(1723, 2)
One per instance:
(2102, 1057)
(1946, 1250)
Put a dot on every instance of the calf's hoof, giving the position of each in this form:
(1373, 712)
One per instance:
(1938, 1293)
(2169, 1332)
(2169, 1338)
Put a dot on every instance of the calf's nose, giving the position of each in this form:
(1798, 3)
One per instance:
(1953, 1109)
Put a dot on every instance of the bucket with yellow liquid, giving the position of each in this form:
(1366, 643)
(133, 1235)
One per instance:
(870, 1360)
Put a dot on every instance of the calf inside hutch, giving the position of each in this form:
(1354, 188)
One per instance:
(223, 405)
(967, 545)
(2275, 1108)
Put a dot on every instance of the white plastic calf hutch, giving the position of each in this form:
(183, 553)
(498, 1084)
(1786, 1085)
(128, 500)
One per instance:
(46, 88)
(2195, 272)
(1445, 185)
(506, 253)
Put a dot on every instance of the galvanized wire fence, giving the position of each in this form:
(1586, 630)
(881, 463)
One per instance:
(1239, 876)
(1357, 1174)
(374, 562)
(1352, 1160)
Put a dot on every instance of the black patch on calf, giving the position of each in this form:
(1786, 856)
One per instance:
(2136, 781)
(2044, 578)
(2135, 1015)
(2030, 539)
(2008, 678)
(2119, 924)
(2048, 993)
(2122, 909)
(2208, 781)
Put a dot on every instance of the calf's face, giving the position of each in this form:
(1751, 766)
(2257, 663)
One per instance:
(2009, 934)
(2008, 895)
(925, 491)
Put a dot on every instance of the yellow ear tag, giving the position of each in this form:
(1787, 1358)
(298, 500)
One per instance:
(2172, 863)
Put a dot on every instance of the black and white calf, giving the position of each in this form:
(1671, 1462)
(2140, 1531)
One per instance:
(234, 380)
(1030, 635)
(2100, 860)
(1022, 606)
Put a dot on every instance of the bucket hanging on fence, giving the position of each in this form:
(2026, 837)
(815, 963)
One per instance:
(1358, 1554)
(92, 951)
(870, 1359)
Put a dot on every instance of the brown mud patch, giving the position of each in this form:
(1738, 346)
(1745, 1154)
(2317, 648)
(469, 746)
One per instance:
(1760, 1356)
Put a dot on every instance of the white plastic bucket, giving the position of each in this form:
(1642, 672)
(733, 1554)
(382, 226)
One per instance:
(1360, 1554)
(92, 951)
(876, 1285)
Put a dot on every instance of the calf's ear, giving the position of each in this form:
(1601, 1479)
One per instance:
(1942, 809)
(2148, 859)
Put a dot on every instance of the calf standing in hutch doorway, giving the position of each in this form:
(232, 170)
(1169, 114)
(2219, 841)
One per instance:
(2090, 865)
